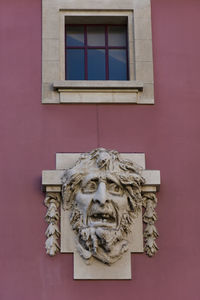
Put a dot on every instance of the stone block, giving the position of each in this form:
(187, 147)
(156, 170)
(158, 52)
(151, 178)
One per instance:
(51, 49)
(49, 95)
(119, 270)
(50, 71)
(143, 50)
(144, 70)
(93, 96)
(142, 28)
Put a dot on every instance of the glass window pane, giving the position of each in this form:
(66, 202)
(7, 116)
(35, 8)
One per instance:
(96, 35)
(75, 67)
(96, 64)
(75, 35)
(117, 65)
(117, 36)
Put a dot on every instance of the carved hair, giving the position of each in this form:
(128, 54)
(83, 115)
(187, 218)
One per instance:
(127, 172)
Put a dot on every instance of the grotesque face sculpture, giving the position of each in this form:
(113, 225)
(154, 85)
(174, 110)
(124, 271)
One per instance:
(104, 195)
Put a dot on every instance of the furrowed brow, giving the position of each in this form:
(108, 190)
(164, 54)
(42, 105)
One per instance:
(112, 178)
(88, 178)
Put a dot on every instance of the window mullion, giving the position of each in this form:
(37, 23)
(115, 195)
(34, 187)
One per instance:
(86, 52)
(106, 54)
(127, 55)
(65, 39)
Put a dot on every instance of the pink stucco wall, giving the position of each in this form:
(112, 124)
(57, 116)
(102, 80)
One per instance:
(31, 134)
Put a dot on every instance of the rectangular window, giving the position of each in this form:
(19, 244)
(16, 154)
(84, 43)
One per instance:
(96, 52)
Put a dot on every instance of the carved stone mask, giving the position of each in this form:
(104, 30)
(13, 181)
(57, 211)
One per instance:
(103, 192)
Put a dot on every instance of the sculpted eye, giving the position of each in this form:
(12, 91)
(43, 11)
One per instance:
(115, 189)
(90, 187)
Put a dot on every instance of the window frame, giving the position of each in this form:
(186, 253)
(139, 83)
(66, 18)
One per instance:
(101, 18)
(106, 47)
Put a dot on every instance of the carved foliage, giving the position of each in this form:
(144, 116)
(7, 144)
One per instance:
(52, 202)
(149, 218)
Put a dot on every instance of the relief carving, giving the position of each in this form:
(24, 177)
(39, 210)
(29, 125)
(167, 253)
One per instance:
(149, 218)
(103, 192)
(101, 200)
(52, 202)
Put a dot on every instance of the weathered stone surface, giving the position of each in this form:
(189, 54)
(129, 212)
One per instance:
(102, 194)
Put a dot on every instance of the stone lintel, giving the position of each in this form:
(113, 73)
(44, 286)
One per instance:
(53, 178)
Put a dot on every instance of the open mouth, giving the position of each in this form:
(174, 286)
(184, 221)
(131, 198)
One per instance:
(102, 219)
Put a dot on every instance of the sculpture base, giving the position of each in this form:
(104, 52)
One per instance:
(96, 270)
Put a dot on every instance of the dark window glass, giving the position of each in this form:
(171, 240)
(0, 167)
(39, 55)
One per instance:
(75, 64)
(75, 35)
(96, 64)
(117, 65)
(117, 36)
(96, 35)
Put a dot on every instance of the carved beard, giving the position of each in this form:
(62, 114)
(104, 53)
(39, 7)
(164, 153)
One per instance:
(105, 244)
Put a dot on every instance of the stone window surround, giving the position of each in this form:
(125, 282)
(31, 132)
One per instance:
(139, 89)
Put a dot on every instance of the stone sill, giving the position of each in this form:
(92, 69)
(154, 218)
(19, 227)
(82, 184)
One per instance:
(99, 84)
(92, 91)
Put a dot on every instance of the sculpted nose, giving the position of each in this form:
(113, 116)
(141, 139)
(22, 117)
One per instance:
(100, 195)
